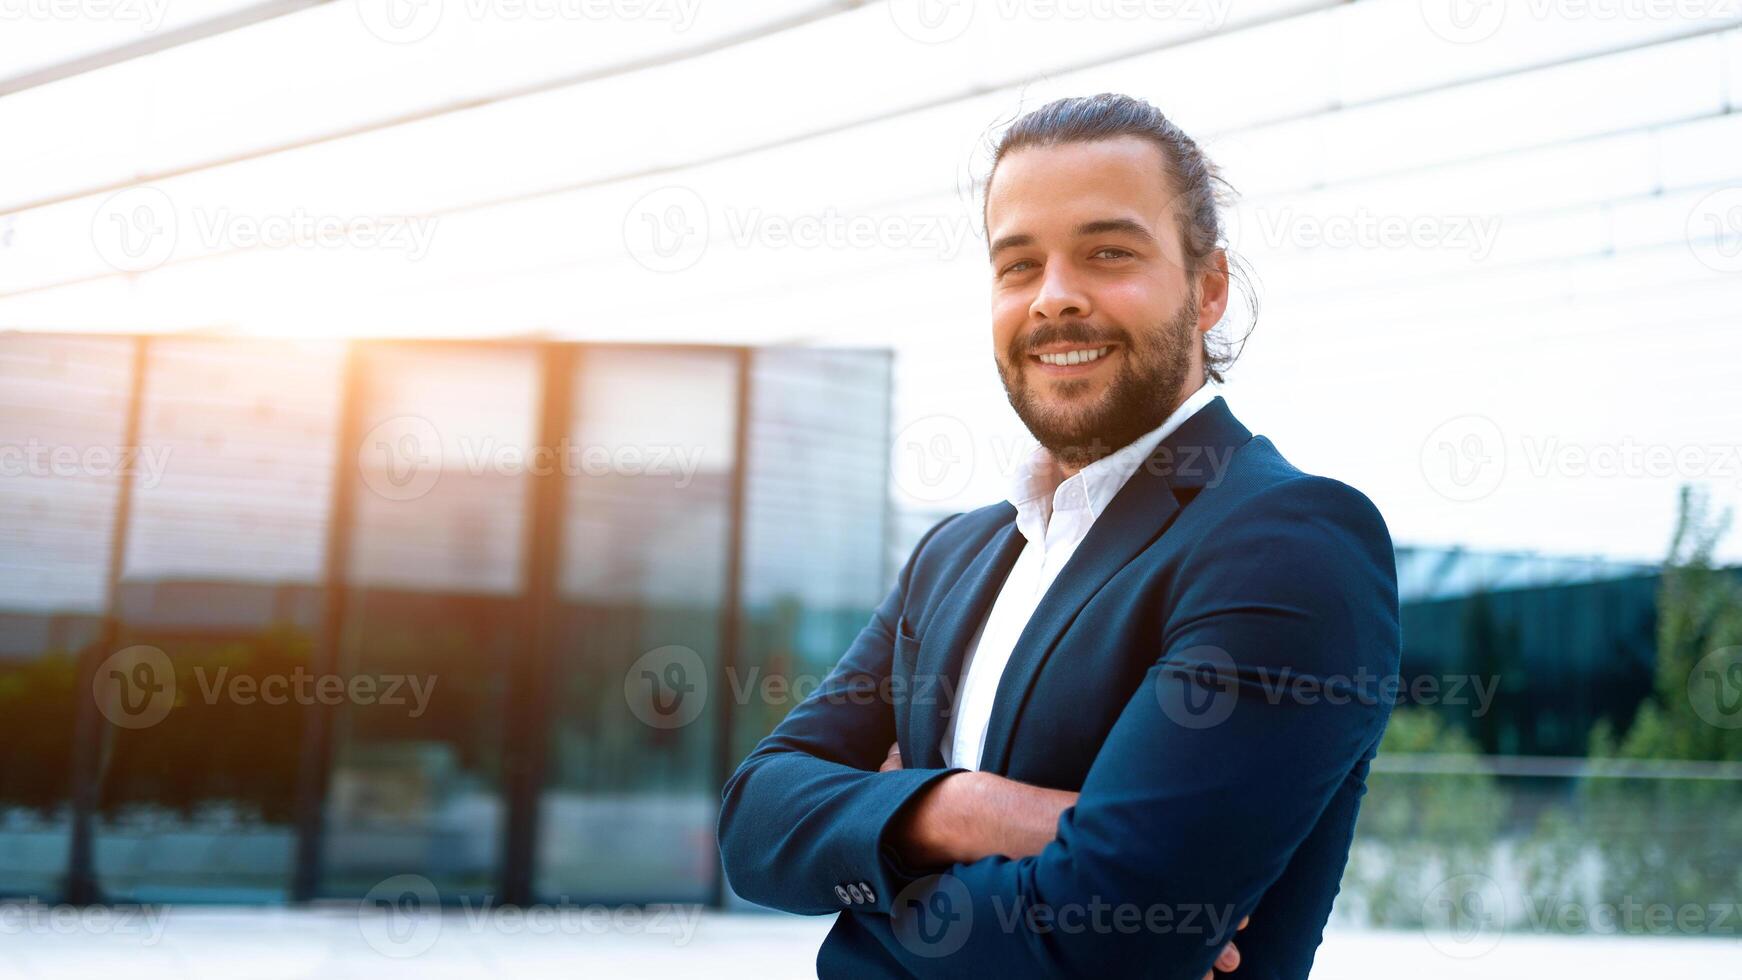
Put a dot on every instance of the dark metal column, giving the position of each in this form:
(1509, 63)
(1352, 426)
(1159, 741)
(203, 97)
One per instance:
(88, 731)
(314, 769)
(732, 597)
(527, 727)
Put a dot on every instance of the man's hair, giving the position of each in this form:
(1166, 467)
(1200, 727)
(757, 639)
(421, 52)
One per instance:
(1195, 181)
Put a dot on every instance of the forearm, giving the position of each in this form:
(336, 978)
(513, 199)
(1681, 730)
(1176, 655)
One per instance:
(793, 826)
(967, 816)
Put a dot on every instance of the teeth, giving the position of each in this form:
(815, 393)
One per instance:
(1074, 357)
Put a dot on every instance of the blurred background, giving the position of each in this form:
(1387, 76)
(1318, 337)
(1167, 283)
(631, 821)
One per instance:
(438, 438)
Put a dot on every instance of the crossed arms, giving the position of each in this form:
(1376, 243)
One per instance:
(1297, 594)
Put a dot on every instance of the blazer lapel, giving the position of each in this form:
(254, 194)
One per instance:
(945, 643)
(1191, 456)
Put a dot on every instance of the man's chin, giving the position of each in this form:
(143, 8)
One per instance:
(1075, 443)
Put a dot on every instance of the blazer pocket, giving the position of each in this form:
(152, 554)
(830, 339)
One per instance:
(906, 661)
(906, 644)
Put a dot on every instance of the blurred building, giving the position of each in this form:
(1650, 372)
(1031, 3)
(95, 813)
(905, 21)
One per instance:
(537, 663)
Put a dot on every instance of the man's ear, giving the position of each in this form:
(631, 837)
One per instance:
(1212, 290)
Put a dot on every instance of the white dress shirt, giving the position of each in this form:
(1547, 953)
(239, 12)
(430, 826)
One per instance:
(1054, 517)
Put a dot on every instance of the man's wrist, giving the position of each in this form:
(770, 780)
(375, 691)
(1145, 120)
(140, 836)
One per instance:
(937, 828)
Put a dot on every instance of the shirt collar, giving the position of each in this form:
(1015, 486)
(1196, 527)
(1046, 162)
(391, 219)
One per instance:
(1035, 495)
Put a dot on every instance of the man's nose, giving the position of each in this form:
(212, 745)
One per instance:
(1060, 295)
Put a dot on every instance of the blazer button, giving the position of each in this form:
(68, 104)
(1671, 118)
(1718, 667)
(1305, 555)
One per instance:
(870, 896)
(841, 893)
(858, 896)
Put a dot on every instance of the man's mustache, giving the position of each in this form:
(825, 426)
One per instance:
(1069, 333)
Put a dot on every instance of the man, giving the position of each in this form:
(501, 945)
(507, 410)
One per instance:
(1132, 708)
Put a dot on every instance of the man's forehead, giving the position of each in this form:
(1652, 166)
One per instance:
(1056, 189)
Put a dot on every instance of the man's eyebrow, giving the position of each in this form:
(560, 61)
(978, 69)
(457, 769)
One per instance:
(1101, 226)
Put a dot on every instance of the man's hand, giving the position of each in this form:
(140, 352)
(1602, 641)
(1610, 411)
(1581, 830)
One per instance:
(893, 759)
(1229, 961)
(988, 814)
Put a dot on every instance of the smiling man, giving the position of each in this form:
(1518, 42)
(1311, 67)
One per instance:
(1097, 728)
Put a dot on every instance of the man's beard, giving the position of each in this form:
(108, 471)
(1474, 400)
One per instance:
(1140, 397)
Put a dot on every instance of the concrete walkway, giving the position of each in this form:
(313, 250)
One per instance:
(571, 942)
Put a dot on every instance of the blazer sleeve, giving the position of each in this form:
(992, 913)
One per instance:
(807, 809)
(1266, 696)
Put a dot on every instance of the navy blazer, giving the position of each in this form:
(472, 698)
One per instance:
(1211, 670)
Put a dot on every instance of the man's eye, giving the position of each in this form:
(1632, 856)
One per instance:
(1012, 266)
(1110, 248)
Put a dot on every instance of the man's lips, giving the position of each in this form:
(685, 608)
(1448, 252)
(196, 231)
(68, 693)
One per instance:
(1107, 353)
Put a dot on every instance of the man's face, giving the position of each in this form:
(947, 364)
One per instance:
(1087, 260)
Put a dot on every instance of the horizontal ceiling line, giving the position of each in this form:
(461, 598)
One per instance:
(822, 13)
(643, 173)
(652, 61)
(199, 31)
(733, 39)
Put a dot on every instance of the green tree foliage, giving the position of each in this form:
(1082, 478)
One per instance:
(1678, 841)
(1418, 829)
